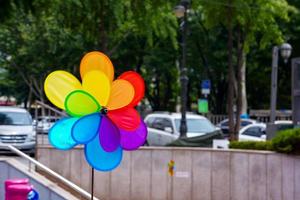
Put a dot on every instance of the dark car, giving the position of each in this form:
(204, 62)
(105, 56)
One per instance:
(224, 125)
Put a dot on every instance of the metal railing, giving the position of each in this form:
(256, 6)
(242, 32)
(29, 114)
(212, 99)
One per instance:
(52, 173)
(48, 109)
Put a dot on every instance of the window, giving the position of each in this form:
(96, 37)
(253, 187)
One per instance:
(225, 123)
(14, 118)
(162, 123)
(254, 131)
(245, 123)
(197, 125)
(149, 121)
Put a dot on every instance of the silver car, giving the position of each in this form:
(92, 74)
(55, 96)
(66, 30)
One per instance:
(163, 128)
(16, 129)
(45, 123)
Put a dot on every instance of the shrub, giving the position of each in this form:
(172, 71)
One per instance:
(253, 145)
(287, 141)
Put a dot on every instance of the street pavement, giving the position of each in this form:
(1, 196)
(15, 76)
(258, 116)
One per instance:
(18, 158)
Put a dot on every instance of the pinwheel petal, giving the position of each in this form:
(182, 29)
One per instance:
(58, 85)
(127, 119)
(97, 84)
(99, 159)
(60, 134)
(139, 86)
(79, 103)
(109, 135)
(96, 61)
(86, 128)
(132, 140)
(122, 93)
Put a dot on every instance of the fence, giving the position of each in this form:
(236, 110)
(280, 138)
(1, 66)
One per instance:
(259, 115)
(42, 109)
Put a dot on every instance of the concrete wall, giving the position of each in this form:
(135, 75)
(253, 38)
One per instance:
(204, 174)
(47, 190)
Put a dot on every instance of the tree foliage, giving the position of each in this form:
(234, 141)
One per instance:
(39, 36)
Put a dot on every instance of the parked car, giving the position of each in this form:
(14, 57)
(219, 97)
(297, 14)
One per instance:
(284, 124)
(257, 132)
(16, 129)
(163, 128)
(45, 123)
(224, 125)
(253, 132)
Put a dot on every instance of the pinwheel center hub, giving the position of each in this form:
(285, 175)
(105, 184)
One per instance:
(103, 110)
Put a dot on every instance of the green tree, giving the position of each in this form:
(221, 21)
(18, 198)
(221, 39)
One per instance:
(247, 22)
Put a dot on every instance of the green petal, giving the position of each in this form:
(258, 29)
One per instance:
(79, 103)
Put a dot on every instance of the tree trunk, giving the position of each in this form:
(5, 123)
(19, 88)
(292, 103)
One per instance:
(29, 99)
(240, 63)
(244, 93)
(230, 91)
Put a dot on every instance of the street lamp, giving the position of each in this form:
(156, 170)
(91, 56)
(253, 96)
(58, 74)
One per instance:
(285, 50)
(181, 13)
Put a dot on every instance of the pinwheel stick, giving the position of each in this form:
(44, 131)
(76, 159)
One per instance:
(92, 193)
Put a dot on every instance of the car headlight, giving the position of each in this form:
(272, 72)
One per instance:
(31, 136)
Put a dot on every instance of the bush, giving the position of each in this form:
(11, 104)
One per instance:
(253, 145)
(287, 141)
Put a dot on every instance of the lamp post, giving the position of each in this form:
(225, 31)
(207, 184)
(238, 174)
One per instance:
(285, 50)
(181, 13)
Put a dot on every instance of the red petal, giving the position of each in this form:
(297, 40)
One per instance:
(138, 83)
(127, 119)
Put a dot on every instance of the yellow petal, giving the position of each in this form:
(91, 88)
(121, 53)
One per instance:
(97, 84)
(122, 93)
(96, 61)
(58, 85)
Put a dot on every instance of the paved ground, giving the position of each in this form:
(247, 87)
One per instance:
(22, 160)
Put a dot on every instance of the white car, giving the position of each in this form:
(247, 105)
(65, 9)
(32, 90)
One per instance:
(163, 128)
(16, 129)
(257, 132)
(45, 123)
(253, 132)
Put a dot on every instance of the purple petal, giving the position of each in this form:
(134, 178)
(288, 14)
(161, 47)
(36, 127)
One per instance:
(131, 140)
(109, 135)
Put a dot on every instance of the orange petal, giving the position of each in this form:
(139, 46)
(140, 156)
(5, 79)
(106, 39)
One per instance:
(127, 119)
(96, 60)
(122, 93)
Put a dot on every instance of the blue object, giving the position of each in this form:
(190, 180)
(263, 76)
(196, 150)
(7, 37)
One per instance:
(86, 128)
(60, 134)
(100, 159)
(205, 84)
(244, 116)
(33, 195)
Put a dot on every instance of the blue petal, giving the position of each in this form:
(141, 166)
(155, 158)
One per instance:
(86, 128)
(100, 159)
(60, 134)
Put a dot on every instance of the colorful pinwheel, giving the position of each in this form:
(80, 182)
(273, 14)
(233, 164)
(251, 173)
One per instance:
(101, 110)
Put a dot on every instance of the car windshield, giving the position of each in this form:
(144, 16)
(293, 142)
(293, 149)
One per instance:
(196, 125)
(15, 118)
